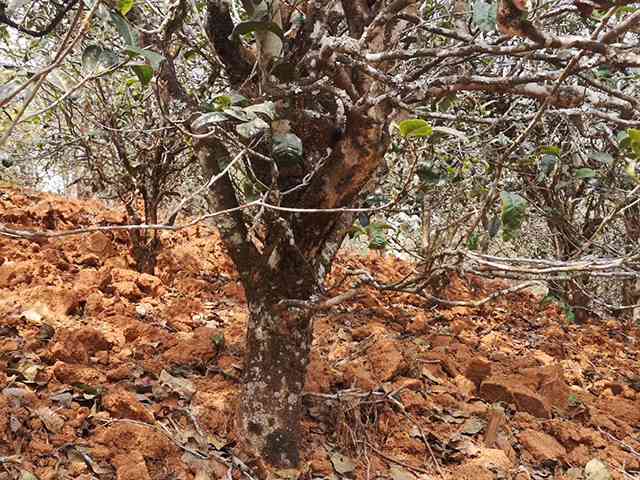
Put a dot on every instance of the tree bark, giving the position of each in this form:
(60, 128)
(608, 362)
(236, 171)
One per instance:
(145, 253)
(278, 342)
(278, 345)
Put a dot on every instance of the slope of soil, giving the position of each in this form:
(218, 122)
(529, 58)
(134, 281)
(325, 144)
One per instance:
(109, 374)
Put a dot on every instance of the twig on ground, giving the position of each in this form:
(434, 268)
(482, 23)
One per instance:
(396, 461)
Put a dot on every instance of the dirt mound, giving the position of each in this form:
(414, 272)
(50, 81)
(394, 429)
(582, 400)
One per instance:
(106, 373)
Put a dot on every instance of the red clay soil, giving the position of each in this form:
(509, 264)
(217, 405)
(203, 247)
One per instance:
(109, 374)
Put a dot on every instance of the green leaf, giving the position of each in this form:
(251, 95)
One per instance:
(154, 58)
(377, 235)
(222, 101)
(630, 169)
(415, 127)
(252, 128)
(633, 134)
(208, 119)
(569, 313)
(267, 108)
(357, 230)
(251, 26)
(190, 55)
(255, 7)
(125, 6)
(218, 340)
(230, 100)
(239, 113)
(7, 89)
(485, 15)
(144, 74)
(287, 148)
(548, 299)
(514, 209)
(602, 72)
(88, 389)
(586, 173)
(634, 141)
(96, 58)
(431, 174)
(623, 139)
(603, 157)
(551, 150)
(546, 164)
(128, 34)
(473, 241)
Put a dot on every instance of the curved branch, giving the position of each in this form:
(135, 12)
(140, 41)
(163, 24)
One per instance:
(4, 18)
(219, 27)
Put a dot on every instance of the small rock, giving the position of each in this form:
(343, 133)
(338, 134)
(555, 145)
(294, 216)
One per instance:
(123, 404)
(490, 464)
(509, 391)
(199, 348)
(321, 466)
(69, 373)
(77, 345)
(120, 373)
(32, 316)
(150, 284)
(477, 370)
(440, 341)
(94, 304)
(551, 384)
(574, 473)
(542, 357)
(386, 359)
(357, 375)
(20, 396)
(407, 383)
(459, 326)
(530, 402)
(496, 390)
(319, 375)
(128, 290)
(541, 446)
(597, 470)
(100, 244)
(622, 409)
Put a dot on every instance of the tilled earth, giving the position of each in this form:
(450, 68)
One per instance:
(110, 374)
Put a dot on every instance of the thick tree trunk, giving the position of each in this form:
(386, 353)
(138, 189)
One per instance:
(278, 342)
(278, 334)
(145, 253)
(278, 345)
